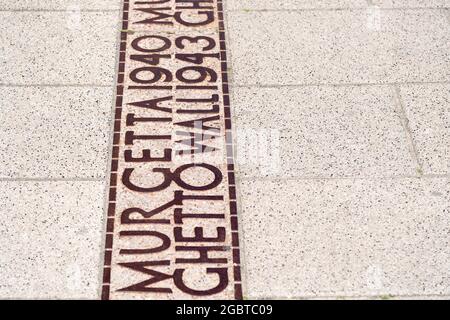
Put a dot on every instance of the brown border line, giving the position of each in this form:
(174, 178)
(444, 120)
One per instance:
(230, 156)
(115, 155)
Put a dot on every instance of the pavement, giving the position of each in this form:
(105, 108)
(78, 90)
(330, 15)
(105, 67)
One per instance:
(225, 149)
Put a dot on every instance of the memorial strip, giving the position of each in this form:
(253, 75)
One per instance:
(172, 226)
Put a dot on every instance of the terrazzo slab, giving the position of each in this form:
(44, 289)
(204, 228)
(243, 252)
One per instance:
(412, 3)
(346, 237)
(78, 48)
(427, 108)
(332, 4)
(54, 132)
(172, 227)
(60, 5)
(326, 131)
(50, 239)
(345, 46)
(293, 4)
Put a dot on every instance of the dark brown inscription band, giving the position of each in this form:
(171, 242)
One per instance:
(172, 227)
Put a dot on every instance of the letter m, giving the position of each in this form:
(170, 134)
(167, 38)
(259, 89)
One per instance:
(156, 276)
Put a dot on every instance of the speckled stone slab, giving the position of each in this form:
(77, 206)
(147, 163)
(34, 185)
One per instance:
(332, 4)
(321, 131)
(427, 106)
(346, 237)
(339, 46)
(293, 4)
(50, 239)
(172, 228)
(60, 5)
(42, 127)
(412, 3)
(82, 47)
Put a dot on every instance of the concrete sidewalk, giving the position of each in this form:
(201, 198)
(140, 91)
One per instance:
(341, 131)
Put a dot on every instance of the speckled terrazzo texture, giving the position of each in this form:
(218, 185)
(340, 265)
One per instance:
(54, 132)
(293, 4)
(324, 131)
(346, 237)
(57, 77)
(78, 48)
(412, 3)
(359, 206)
(60, 4)
(332, 4)
(50, 239)
(343, 46)
(428, 110)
